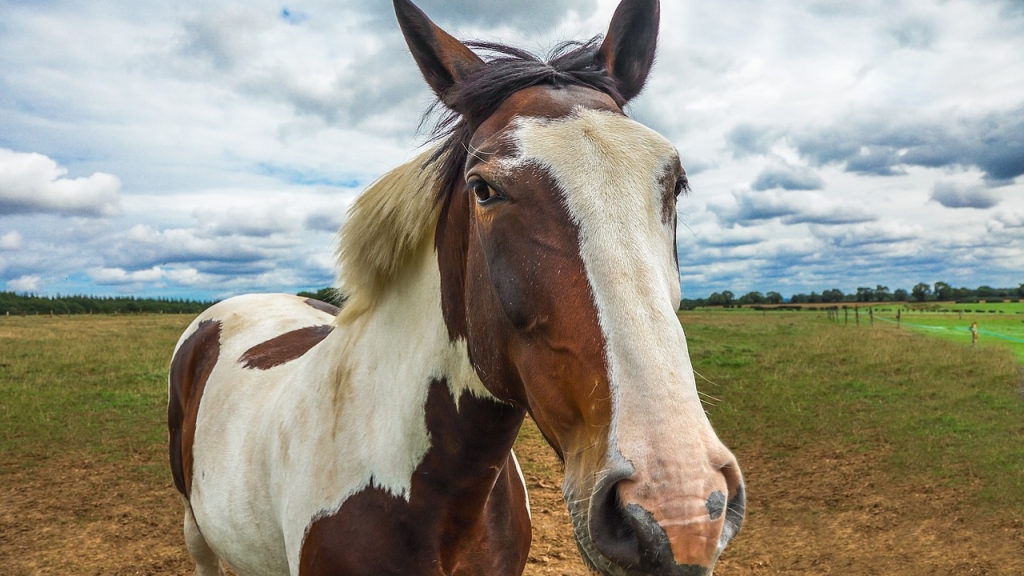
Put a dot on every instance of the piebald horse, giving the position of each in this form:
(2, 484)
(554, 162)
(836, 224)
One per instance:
(526, 264)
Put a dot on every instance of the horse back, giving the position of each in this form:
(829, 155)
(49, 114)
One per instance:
(269, 329)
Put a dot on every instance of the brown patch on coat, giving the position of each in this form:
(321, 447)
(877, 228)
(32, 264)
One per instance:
(190, 369)
(465, 514)
(323, 306)
(284, 348)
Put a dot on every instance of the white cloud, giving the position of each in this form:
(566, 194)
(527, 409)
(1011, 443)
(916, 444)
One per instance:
(25, 284)
(11, 241)
(32, 182)
(120, 276)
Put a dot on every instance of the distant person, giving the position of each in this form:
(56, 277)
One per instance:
(974, 333)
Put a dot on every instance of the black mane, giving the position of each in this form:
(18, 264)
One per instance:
(507, 71)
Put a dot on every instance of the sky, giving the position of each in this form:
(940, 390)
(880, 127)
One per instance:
(203, 150)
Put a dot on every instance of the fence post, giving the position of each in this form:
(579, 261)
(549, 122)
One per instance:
(856, 314)
(871, 314)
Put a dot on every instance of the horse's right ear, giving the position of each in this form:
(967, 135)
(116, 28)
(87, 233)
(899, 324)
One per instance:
(442, 59)
(628, 49)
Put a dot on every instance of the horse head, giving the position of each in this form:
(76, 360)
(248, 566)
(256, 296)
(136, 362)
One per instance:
(556, 246)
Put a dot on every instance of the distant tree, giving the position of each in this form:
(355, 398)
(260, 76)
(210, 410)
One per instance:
(865, 294)
(799, 299)
(833, 295)
(716, 300)
(752, 298)
(1020, 291)
(882, 294)
(900, 295)
(985, 292)
(814, 298)
(943, 291)
(773, 298)
(963, 293)
(921, 291)
(727, 298)
(12, 303)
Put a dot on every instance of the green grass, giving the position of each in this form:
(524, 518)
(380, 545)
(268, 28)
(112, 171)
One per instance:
(999, 325)
(95, 384)
(938, 410)
(780, 382)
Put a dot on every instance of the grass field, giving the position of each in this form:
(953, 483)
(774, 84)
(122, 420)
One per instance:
(866, 449)
(999, 324)
(95, 384)
(937, 408)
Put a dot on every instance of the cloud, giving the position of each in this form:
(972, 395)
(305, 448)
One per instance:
(746, 139)
(883, 142)
(143, 246)
(536, 15)
(261, 221)
(953, 195)
(120, 276)
(11, 241)
(915, 33)
(33, 183)
(790, 208)
(787, 177)
(343, 76)
(324, 222)
(830, 216)
(748, 207)
(867, 234)
(731, 237)
(1011, 220)
(25, 284)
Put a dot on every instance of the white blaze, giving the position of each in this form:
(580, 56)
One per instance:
(610, 169)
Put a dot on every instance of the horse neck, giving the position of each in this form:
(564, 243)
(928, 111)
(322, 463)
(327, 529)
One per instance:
(397, 359)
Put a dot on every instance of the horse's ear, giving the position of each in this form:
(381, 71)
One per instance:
(628, 48)
(442, 59)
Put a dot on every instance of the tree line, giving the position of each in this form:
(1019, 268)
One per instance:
(12, 304)
(922, 292)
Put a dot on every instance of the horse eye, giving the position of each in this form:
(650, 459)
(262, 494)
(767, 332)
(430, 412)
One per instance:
(681, 185)
(484, 193)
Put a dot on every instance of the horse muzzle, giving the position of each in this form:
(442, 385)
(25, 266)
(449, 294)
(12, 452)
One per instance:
(635, 525)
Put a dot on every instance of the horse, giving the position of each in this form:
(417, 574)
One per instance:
(524, 263)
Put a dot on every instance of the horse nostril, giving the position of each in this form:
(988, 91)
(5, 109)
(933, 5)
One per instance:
(629, 536)
(625, 534)
(613, 532)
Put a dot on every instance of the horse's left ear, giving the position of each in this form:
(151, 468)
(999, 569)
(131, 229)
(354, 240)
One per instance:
(628, 48)
(442, 59)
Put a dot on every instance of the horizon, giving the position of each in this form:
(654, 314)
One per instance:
(182, 152)
(786, 297)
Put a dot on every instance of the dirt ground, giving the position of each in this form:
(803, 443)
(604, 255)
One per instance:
(809, 513)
